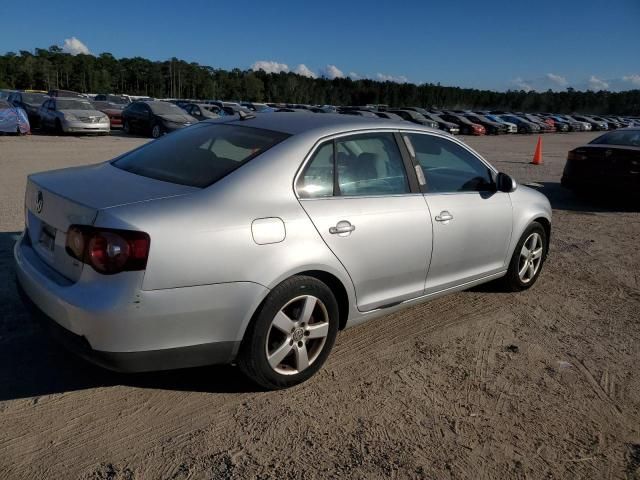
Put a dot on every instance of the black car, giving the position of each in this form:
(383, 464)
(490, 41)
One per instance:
(492, 128)
(415, 117)
(30, 103)
(357, 112)
(202, 111)
(388, 115)
(610, 162)
(154, 118)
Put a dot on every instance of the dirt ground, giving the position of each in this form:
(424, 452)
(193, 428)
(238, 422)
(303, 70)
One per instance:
(480, 384)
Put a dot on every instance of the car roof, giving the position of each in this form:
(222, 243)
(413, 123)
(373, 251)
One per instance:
(325, 124)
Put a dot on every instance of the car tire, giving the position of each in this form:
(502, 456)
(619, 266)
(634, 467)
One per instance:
(525, 266)
(156, 131)
(126, 127)
(291, 334)
(58, 128)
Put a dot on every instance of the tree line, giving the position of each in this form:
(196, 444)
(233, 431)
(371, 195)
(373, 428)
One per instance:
(51, 68)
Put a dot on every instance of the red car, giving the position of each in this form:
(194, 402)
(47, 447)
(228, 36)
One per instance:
(112, 110)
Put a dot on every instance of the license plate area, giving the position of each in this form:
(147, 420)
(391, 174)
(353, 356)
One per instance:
(47, 238)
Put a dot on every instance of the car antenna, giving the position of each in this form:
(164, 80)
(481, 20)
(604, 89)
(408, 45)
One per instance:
(245, 115)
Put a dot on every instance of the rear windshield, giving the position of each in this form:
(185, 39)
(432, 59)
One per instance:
(200, 155)
(628, 138)
(165, 108)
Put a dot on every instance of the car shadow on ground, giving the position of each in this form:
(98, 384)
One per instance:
(597, 202)
(32, 364)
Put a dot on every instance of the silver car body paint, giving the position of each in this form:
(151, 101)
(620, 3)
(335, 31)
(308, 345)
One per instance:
(216, 252)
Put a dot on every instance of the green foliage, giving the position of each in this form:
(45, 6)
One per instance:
(51, 68)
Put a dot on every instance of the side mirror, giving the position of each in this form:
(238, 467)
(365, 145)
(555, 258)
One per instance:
(504, 183)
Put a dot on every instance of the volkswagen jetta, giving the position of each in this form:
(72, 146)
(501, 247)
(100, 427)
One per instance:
(253, 240)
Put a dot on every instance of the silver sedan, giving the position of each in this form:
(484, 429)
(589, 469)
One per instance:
(254, 240)
(72, 115)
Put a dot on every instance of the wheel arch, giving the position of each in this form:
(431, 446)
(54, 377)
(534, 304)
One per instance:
(546, 224)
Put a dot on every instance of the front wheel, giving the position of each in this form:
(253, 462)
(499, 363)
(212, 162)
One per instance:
(527, 259)
(156, 131)
(292, 334)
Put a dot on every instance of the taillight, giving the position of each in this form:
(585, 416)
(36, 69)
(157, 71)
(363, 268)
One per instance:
(573, 155)
(108, 250)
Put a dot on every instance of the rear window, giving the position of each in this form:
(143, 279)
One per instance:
(201, 155)
(627, 138)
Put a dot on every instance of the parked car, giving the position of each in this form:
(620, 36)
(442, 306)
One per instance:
(491, 127)
(203, 111)
(198, 260)
(511, 127)
(72, 115)
(115, 99)
(595, 124)
(574, 126)
(257, 107)
(524, 126)
(30, 103)
(467, 127)
(65, 94)
(610, 162)
(415, 117)
(388, 115)
(111, 110)
(545, 127)
(155, 118)
(357, 112)
(13, 119)
(450, 127)
(585, 126)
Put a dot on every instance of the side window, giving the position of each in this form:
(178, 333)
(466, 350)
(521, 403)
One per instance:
(370, 164)
(317, 179)
(448, 167)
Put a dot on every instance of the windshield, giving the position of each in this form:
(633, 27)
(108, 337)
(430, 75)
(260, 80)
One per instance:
(74, 105)
(201, 155)
(34, 98)
(165, 108)
(628, 138)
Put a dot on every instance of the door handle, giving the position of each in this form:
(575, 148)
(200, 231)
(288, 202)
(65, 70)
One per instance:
(342, 228)
(444, 217)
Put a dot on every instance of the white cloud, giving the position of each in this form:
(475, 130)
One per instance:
(270, 66)
(522, 84)
(74, 46)
(391, 78)
(354, 76)
(596, 84)
(331, 72)
(632, 79)
(557, 79)
(305, 71)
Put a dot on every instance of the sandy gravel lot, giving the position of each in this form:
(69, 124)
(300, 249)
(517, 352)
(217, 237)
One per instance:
(481, 385)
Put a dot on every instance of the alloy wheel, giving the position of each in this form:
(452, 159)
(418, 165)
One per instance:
(297, 335)
(530, 257)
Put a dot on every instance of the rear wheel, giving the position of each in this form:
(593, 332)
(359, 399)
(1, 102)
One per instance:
(527, 260)
(292, 334)
(58, 128)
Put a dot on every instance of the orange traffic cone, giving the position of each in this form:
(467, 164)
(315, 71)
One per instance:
(537, 156)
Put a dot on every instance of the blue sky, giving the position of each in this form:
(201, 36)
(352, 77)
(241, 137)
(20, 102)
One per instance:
(492, 44)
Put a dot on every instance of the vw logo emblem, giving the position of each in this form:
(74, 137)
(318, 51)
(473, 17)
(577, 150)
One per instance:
(39, 202)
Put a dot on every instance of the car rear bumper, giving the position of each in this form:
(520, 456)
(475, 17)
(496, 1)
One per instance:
(127, 329)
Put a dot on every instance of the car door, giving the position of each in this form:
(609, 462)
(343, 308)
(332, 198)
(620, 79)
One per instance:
(370, 214)
(47, 114)
(472, 221)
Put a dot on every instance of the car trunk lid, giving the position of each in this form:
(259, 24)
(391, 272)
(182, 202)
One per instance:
(58, 199)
